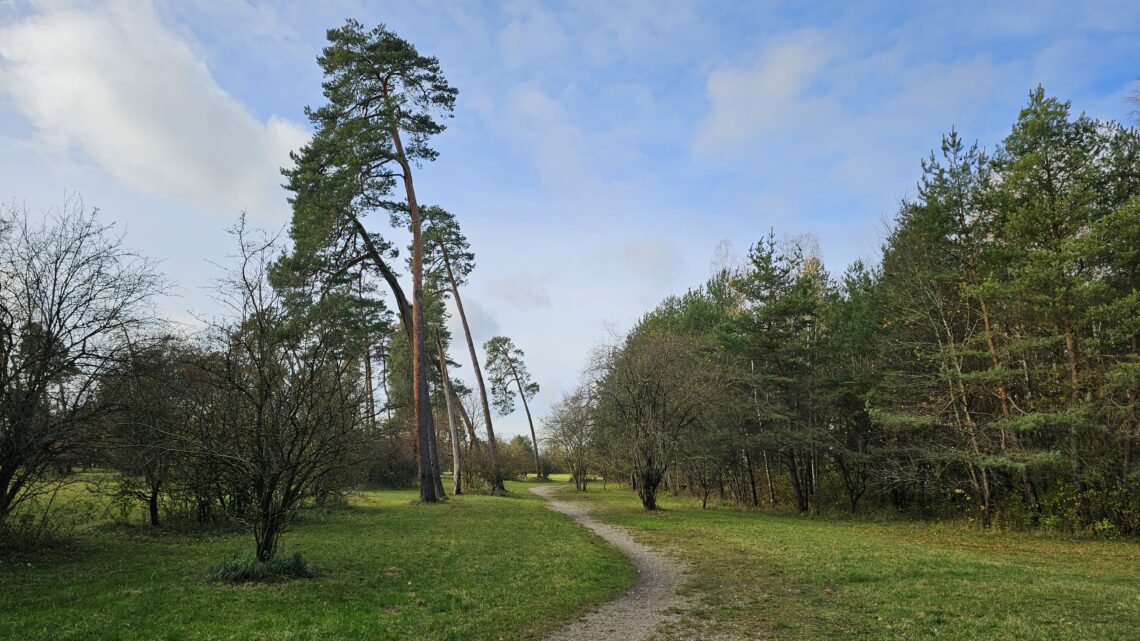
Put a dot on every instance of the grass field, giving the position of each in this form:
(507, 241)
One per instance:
(473, 568)
(768, 576)
(489, 568)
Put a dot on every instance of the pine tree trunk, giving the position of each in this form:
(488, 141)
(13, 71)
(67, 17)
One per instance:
(370, 396)
(456, 467)
(497, 485)
(430, 482)
(529, 420)
(1130, 425)
(1026, 480)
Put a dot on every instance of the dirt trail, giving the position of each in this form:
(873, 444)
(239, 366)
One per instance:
(636, 614)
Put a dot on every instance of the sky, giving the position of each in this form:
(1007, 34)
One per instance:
(603, 154)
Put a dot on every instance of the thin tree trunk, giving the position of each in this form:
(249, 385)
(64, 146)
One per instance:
(962, 409)
(529, 420)
(384, 385)
(797, 485)
(814, 483)
(751, 478)
(1026, 480)
(456, 468)
(152, 505)
(768, 476)
(370, 397)
(1129, 425)
(466, 421)
(436, 468)
(492, 441)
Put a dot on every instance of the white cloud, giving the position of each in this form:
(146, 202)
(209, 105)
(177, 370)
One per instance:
(520, 293)
(766, 97)
(118, 85)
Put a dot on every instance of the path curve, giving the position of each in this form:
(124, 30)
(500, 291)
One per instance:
(653, 600)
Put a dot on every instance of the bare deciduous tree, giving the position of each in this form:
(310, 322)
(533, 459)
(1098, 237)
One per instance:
(71, 294)
(570, 426)
(650, 392)
(283, 414)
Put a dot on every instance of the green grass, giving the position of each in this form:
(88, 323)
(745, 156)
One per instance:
(473, 568)
(759, 575)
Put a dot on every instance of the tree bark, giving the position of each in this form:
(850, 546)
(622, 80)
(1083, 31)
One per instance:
(797, 486)
(1130, 425)
(456, 467)
(430, 482)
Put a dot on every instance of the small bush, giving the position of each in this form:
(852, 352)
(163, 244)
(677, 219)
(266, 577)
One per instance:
(1106, 529)
(480, 467)
(243, 569)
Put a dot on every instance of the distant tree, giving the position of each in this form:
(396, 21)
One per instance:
(854, 316)
(507, 369)
(1050, 189)
(651, 391)
(571, 427)
(780, 333)
(71, 297)
(150, 397)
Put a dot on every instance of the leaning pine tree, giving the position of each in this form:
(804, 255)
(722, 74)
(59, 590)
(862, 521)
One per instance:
(450, 253)
(385, 102)
(507, 369)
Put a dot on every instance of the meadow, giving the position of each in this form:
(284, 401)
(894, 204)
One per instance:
(473, 568)
(763, 575)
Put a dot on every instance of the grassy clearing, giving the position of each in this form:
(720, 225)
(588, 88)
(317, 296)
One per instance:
(769, 576)
(473, 568)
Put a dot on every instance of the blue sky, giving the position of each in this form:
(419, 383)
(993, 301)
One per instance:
(601, 151)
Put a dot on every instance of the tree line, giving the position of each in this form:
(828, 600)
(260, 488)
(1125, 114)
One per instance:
(986, 366)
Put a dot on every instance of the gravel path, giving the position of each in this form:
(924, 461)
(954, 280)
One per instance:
(636, 614)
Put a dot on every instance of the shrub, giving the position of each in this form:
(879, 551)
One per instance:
(480, 468)
(1106, 529)
(244, 569)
